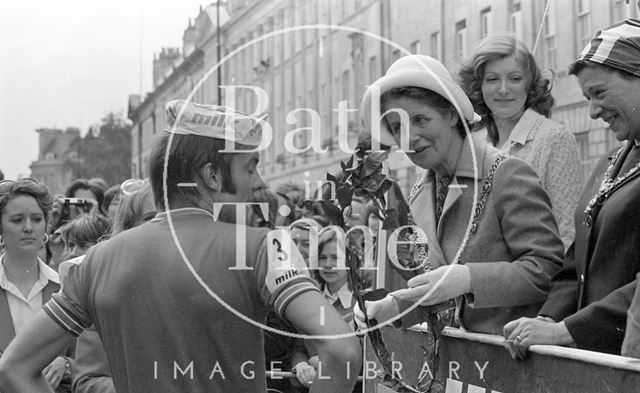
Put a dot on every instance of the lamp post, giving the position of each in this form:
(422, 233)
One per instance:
(218, 51)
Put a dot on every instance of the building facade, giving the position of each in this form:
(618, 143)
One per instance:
(58, 151)
(283, 58)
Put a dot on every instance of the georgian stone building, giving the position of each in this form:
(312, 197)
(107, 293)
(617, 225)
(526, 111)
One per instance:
(58, 150)
(305, 72)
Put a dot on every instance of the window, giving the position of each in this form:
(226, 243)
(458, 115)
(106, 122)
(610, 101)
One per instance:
(373, 69)
(286, 38)
(486, 22)
(395, 55)
(584, 22)
(277, 42)
(515, 19)
(415, 47)
(461, 38)
(552, 52)
(550, 22)
(323, 105)
(551, 38)
(436, 50)
(621, 10)
(593, 144)
(297, 35)
(345, 86)
(583, 6)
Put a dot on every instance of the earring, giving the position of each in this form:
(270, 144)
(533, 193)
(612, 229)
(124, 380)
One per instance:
(1, 242)
(46, 238)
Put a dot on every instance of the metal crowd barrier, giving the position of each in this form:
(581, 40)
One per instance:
(478, 363)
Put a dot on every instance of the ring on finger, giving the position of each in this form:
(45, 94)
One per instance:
(518, 338)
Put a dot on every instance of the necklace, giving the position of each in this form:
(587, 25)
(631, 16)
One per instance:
(608, 186)
(423, 249)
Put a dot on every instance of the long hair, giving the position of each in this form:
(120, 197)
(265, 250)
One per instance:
(496, 47)
(112, 194)
(130, 208)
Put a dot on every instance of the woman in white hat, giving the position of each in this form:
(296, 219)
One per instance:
(495, 257)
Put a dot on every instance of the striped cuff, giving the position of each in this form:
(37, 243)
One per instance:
(62, 317)
(290, 292)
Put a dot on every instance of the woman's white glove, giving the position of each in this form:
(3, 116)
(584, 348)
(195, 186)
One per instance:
(305, 373)
(382, 310)
(444, 283)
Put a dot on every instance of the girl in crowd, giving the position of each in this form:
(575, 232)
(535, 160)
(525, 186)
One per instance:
(26, 282)
(333, 278)
(505, 86)
(332, 274)
(495, 258)
(91, 200)
(83, 232)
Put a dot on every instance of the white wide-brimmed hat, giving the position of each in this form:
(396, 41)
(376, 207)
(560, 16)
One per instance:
(416, 71)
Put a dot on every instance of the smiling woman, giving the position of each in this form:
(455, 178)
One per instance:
(500, 265)
(507, 88)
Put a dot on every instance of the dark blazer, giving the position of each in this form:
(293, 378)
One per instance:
(631, 343)
(7, 333)
(594, 289)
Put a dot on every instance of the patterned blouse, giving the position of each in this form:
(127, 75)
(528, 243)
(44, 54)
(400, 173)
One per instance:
(551, 149)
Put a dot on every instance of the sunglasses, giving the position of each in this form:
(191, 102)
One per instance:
(131, 186)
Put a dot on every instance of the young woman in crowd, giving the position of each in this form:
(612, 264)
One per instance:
(26, 282)
(81, 197)
(505, 86)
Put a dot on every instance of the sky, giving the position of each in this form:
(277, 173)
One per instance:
(67, 63)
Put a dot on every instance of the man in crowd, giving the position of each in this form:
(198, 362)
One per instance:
(175, 302)
(590, 297)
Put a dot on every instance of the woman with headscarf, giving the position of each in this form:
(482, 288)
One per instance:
(590, 296)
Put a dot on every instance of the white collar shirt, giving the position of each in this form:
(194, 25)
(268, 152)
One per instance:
(343, 294)
(24, 308)
(522, 132)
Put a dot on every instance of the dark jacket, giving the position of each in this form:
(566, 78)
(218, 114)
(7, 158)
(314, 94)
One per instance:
(594, 290)
(7, 332)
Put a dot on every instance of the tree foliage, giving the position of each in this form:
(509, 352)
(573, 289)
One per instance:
(105, 151)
